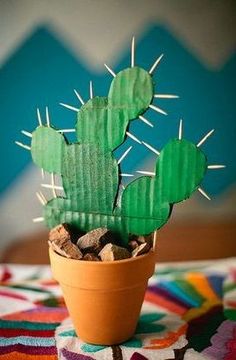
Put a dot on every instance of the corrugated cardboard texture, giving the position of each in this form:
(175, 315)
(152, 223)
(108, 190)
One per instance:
(90, 173)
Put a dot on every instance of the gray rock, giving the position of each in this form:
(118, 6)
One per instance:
(94, 240)
(112, 252)
(60, 241)
(91, 257)
(141, 249)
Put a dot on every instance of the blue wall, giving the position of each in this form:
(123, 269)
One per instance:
(43, 72)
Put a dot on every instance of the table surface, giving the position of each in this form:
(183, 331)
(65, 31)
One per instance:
(189, 311)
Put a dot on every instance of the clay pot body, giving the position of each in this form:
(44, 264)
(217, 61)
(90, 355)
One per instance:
(104, 299)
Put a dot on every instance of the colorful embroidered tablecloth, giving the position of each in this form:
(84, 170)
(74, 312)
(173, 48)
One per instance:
(189, 312)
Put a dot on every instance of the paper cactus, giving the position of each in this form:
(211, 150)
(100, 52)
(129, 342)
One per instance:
(91, 175)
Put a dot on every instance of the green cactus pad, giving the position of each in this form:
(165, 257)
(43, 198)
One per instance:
(143, 205)
(47, 149)
(90, 178)
(131, 91)
(181, 167)
(101, 124)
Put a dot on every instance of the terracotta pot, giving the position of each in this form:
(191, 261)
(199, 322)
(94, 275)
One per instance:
(104, 299)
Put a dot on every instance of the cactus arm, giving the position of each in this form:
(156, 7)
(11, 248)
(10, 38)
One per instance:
(131, 91)
(181, 167)
(103, 121)
(47, 148)
(143, 206)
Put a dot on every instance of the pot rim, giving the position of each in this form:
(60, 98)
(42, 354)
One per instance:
(111, 275)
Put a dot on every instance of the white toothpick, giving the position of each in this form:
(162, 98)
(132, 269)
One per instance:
(204, 193)
(151, 148)
(38, 219)
(180, 129)
(79, 97)
(66, 130)
(155, 64)
(41, 198)
(216, 166)
(53, 185)
(157, 109)
(124, 155)
(133, 137)
(69, 107)
(154, 241)
(132, 51)
(26, 133)
(91, 89)
(145, 120)
(166, 96)
(205, 137)
(145, 172)
(39, 117)
(126, 175)
(49, 186)
(23, 145)
(47, 117)
(42, 174)
(110, 70)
